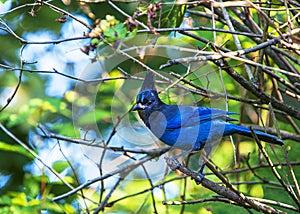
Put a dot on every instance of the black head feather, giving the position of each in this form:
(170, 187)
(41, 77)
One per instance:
(147, 99)
(148, 84)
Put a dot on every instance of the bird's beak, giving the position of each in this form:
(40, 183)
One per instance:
(137, 106)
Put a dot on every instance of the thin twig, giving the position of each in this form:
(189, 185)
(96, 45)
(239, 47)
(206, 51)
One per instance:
(112, 173)
(277, 175)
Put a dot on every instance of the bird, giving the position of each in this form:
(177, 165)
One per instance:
(188, 127)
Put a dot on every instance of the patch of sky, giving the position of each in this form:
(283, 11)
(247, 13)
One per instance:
(4, 179)
(65, 57)
(5, 7)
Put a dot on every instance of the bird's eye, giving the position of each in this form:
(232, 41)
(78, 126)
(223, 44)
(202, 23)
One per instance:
(144, 101)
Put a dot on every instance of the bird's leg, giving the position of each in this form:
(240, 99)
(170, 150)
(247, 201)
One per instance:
(173, 163)
(204, 160)
(183, 154)
(201, 169)
(175, 158)
(200, 174)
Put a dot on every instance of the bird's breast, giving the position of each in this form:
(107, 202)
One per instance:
(157, 123)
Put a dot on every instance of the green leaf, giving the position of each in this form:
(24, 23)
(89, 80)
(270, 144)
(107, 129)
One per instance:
(109, 32)
(69, 209)
(173, 16)
(121, 31)
(93, 116)
(132, 33)
(257, 191)
(32, 185)
(4, 116)
(67, 179)
(18, 198)
(15, 148)
(5, 200)
(66, 129)
(95, 41)
(60, 166)
(3, 1)
(34, 202)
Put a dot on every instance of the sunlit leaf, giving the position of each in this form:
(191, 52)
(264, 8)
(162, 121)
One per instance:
(34, 202)
(93, 116)
(257, 191)
(60, 166)
(15, 148)
(68, 179)
(18, 198)
(66, 129)
(68, 208)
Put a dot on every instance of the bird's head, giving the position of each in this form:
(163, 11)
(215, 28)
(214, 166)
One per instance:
(147, 99)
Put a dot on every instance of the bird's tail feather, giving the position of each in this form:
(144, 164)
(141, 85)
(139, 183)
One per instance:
(261, 135)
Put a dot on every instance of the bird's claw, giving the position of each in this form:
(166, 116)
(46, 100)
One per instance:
(173, 163)
(199, 178)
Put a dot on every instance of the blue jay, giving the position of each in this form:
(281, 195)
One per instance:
(187, 127)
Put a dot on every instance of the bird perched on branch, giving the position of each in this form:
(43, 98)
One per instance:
(187, 127)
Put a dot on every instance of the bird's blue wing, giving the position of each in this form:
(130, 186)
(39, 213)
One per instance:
(184, 116)
(207, 114)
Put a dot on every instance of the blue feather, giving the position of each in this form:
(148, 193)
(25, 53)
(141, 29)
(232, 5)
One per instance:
(188, 127)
